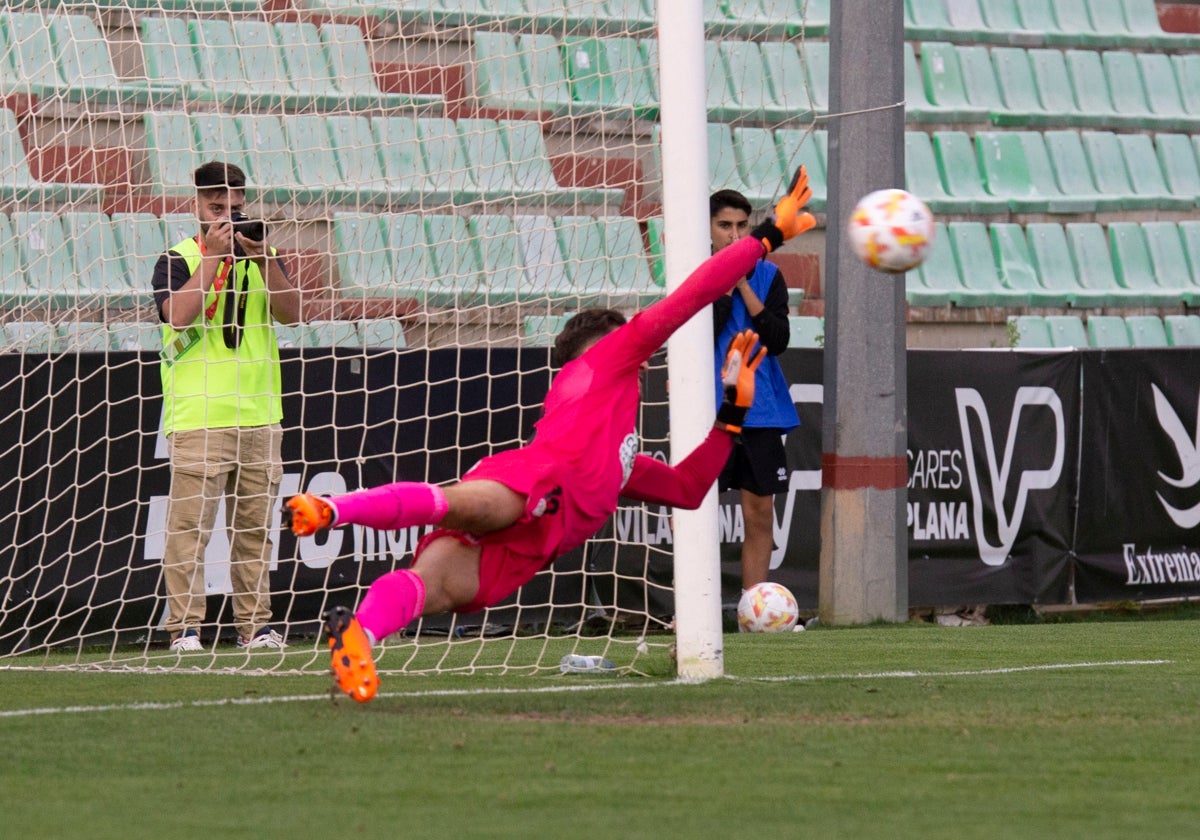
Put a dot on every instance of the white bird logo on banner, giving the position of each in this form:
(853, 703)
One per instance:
(1188, 449)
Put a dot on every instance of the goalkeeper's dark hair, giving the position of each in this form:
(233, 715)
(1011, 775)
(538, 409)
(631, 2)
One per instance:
(721, 199)
(583, 330)
(218, 175)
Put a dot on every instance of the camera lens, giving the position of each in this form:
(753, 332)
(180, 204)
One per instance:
(254, 229)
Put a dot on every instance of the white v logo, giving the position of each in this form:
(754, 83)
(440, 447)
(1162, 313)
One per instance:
(1188, 449)
(1007, 526)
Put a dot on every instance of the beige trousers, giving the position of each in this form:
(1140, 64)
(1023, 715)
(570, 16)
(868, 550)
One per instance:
(243, 466)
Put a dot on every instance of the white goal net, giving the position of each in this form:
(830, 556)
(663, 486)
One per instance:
(447, 181)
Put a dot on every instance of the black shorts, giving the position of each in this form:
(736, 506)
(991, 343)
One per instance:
(758, 463)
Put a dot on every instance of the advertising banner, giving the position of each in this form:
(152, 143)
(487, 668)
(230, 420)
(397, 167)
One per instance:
(1138, 535)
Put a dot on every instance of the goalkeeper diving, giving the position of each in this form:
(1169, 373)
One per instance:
(514, 512)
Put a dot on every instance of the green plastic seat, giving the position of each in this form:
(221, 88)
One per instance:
(168, 55)
(17, 183)
(1108, 331)
(412, 262)
(219, 137)
(1182, 330)
(49, 269)
(26, 38)
(541, 330)
(815, 55)
(1055, 266)
(1087, 80)
(272, 165)
(1015, 164)
(448, 173)
(945, 87)
(1177, 157)
(758, 162)
(125, 335)
(922, 178)
(1134, 266)
(581, 241)
(1141, 161)
(1072, 171)
(98, 262)
(788, 78)
(1094, 268)
(141, 240)
(753, 87)
(1029, 331)
(1052, 80)
(266, 72)
(456, 278)
(1189, 233)
(1107, 161)
(31, 337)
(979, 77)
(171, 152)
(806, 331)
(960, 172)
(362, 254)
(498, 244)
(936, 281)
(1146, 331)
(317, 171)
(1023, 104)
(1066, 331)
(307, 66)
(600, 75)
(357, 154)
(501, 80)
(350, 64)
(12, 270)
(977, 267)
(1163, 96)
(924, 20)
(1168, 259)
(629, 280)
(82, 54)
(1017, 268)
(546, 275)
(401, 158)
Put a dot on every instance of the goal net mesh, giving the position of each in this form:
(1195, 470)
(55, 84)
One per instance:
(447, 181)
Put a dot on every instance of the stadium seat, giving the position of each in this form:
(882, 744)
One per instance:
(1066, 331)
(362, 254)
(169, 57)
(141, 240)
(629, 278)
(977, 268)
(49, 270)
(656, 250)
(1055, 266)
(449, 178)
(1029, 331)
(1111, 174)
(1094, 269)
(403, 164)
(1182, 330)
(1016, 165)
(785, 68)
(413, 274)
(30, 337)
(960, 172)
(98, 261)
(1134, 268)
(330, 334)
(600, 73)
(350, 64)
(357, 154)
(456, 277)
(218, 137)
(758, 161)
(502, 64)
(17, 183)
(171, 152)
(272, 165)
(922, 178)
(82, 53)
(1025, 103)
(806, 331)
(1177, 157)
(936, 281)
(753, 88)
(1072, 171)
(1087, 80)
(308, 70)
(945, 86)
(498, 242)
(83, 337)
(1107, 331)
(1018, 270)
(1189, 233)
(316, 162)
(1146, 331)
(1141, 161)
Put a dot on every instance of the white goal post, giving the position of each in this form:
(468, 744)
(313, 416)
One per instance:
(447, 183)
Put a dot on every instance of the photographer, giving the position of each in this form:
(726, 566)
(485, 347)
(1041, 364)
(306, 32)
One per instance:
(218, 294)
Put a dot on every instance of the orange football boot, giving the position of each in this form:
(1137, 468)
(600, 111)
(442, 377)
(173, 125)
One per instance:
(353, 665)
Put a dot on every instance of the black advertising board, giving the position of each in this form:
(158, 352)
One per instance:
(1138, 533)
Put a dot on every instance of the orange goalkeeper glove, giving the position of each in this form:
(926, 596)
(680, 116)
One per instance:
(306, 514)
(737, 378)
(788, 220)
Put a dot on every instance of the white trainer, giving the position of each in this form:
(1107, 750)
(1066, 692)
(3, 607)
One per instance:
(188, 640)
(264, 638)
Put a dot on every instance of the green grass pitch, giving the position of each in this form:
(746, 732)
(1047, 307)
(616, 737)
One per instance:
(1083, 729)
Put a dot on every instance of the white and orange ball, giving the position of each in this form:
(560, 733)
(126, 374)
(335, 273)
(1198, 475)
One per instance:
(891, 230)
(767, 608)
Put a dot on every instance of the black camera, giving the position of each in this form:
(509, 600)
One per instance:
(253, 229)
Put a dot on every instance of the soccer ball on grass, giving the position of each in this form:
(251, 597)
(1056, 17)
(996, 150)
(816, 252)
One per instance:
(891, 230)
(767, 608)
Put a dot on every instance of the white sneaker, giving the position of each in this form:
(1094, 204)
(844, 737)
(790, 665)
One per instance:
(188, 640)
(264, 638)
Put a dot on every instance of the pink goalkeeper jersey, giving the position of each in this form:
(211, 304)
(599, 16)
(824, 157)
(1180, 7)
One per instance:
(581, 457)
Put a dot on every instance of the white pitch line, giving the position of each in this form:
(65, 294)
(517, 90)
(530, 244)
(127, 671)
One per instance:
(559, 689)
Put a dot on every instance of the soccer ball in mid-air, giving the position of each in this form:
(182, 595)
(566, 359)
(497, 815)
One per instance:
(891, 230)
(767, 608)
